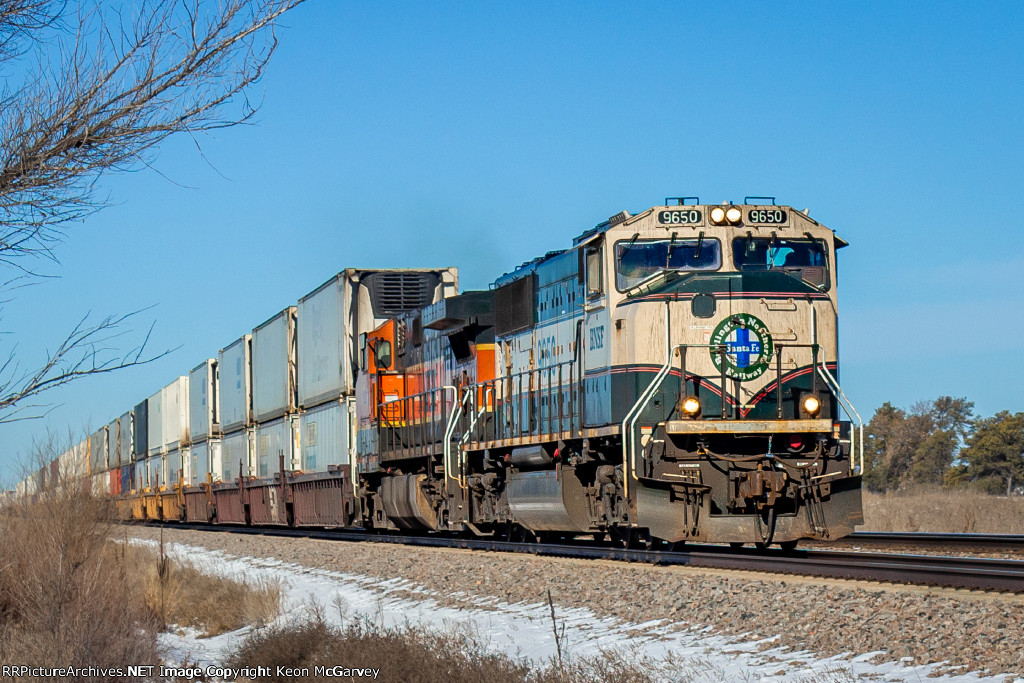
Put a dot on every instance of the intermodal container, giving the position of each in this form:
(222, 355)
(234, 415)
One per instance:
(327, 435)
(98, 451)
(140, 425)
(126, 441)
(203, 414)
(175, 413)
(353, 302)
(274, 439)
(234, 367)
(236, 455)
(206, 459)
(114, 443)
(274, 357)
(156, 423)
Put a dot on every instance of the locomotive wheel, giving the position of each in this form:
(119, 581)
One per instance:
(790, 545)
(735, 545)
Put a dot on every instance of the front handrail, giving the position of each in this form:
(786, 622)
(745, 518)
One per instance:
(840, 395)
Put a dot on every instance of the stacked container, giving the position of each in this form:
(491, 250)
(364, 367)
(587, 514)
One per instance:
(331, 319)
(234, 368)
(274, 392)
(126, 442)
(204, 422)
(98, 451)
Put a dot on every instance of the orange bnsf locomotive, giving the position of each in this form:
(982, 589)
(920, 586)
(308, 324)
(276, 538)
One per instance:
(671, 376)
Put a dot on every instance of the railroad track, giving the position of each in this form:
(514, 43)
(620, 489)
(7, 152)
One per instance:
(1000, 541)
(929, 570)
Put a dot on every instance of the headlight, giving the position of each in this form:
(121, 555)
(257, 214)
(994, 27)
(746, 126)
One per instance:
(717, 215)
(812, 405)
(691, 406)
(733, 215)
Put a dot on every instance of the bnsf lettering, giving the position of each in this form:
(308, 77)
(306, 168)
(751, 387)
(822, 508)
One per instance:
(596, 338)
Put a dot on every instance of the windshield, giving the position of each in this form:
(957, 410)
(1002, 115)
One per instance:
(637, 260)
(804, 258)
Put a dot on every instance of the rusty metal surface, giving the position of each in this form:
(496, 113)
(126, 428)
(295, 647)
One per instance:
(197, 505)
(266, 504)
(747, 426)
(228, 501)
(320, 501)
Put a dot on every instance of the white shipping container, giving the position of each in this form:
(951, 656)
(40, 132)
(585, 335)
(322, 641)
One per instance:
(170, 467)
(354, 302)
(205, 459)
(126, 438)
(155, 465)
(234, 366)
(101, 484)
(98, 451)
(274, 439)
(175, 413)
(203, 414)
(327, 436)
(114, 443)
(325, 349)
(155, 423)
(273, 367)
(236, 453)
(73, 463)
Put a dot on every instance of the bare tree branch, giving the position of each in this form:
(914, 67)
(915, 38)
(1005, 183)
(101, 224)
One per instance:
(122, 87)
(88, 349)
(103, 88)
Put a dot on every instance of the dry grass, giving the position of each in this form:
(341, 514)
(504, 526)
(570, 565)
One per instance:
(943, 510)
(415, 655)
(70, 596)
(177, 593)
(64, 597)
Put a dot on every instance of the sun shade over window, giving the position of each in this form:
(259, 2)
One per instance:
(637, 260)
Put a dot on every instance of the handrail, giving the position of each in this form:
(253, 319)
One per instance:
(629, 421)
(453, 419)
(840, 395)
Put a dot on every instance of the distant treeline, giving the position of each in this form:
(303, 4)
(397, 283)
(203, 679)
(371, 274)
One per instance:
(942, 442)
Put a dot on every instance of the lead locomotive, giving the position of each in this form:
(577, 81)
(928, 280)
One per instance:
(672, 376)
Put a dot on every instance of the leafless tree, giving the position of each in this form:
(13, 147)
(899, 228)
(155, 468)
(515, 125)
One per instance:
(100, 87)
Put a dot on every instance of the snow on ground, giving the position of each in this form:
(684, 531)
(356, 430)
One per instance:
(525, 630)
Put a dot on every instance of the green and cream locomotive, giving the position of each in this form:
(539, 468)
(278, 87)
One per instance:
(672, 376)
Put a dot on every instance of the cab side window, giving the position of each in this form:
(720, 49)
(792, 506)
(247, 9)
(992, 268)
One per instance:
(595, 284)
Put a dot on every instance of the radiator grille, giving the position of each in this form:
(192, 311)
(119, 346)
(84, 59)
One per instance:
(392, 293)
(514, 306)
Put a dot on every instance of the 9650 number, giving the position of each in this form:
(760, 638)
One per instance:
(766, 216)
(680, 216)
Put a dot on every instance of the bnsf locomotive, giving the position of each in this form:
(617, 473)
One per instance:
(672, 376)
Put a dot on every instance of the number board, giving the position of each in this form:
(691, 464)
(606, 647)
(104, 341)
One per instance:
(680, 216)
(773, 216)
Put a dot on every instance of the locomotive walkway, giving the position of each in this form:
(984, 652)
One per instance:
(928, 570)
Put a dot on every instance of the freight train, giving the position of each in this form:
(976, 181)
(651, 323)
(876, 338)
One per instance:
(671, 376)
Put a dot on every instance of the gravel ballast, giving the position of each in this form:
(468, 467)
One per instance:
(981, 632)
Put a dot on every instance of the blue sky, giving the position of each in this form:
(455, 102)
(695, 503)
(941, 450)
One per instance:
(482, 134)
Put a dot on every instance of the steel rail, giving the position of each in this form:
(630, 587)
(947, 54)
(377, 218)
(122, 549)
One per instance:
(924, 538)
(929, 570)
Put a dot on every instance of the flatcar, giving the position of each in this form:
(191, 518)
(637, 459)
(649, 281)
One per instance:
(671, 376)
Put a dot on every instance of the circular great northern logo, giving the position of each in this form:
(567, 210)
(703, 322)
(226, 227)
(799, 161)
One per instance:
(748, 346)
